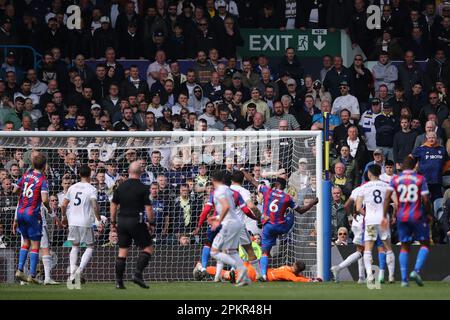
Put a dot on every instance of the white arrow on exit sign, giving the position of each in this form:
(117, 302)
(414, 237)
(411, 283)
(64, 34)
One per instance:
(319, 44)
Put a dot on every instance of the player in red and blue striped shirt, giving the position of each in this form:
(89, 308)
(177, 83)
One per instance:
(33, 189)
(276, 220)
(413, 215)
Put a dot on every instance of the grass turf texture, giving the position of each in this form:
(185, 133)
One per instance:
(208, 290)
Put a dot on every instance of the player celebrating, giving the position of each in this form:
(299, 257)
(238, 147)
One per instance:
(33, 188)
(275, 220)
(372, 195)
(227, 240)
(411, 191)
(82, 198)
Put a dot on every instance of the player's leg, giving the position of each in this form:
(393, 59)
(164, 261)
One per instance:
(219, 244)
(46, 258)
(218, 273)
(87, 236)
(34, 260)
(355, 256)
(268, 240)
(385, 236)
(75, 238)
(23, 253)
(121, 266)
(368, 246)
(404, 260)
(421, 233)
(381, 259)
(246, 243)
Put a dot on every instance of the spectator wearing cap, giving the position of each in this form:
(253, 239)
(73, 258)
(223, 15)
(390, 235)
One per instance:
(279, 115)
(295, 93)
(384, 72)
(368, 123)
(202, 68)
(432, 157)
(337, 74)
(347, 101)
(363, 82)
(96, 115)
(130, 43)
(404, 141)
(385, 128)
(261, 105)
(15, 115)
(300, 178)
(134, 84)
(103, 38)
(10, 65)
(436, 107)
(291, 64)
(236, 85)
(409, 72)
(378, 158)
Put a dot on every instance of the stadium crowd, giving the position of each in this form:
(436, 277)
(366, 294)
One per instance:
(377, 116)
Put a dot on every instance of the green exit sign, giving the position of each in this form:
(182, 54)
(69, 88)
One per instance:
(273, 42)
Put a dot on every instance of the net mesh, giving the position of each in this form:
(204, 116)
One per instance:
(179, 168)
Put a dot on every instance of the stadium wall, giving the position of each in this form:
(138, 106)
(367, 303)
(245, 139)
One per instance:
(437, 267)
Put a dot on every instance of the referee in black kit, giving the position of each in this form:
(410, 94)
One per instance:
(132, 197)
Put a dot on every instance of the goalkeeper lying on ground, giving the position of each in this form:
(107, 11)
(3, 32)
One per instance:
(283, 273)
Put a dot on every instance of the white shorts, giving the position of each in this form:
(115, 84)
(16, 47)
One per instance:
(45, 243)
(244, 237)
(228, 237)
(81, 234)
(373, 231)
(358, 233)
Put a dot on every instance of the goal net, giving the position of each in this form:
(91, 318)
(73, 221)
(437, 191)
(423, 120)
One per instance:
(176, 166)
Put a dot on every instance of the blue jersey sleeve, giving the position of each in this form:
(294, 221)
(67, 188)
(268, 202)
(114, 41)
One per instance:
(262, 188)
(417, 152)
(44, 186)
(291, 203)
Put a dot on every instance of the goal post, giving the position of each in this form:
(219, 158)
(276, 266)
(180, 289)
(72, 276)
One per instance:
(295, 155)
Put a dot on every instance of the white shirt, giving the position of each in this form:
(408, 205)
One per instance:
(110, 180)
(155, 67)
(224, 192)
(157, 111)
(80, 212)
(373, 194)
(346, 102)
(353, 146)
(245, 194)
(386, 178)
(210, 120)
(358, 219)
(367, 122)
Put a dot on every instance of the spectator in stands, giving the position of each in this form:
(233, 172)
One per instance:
(404, 141)
(337, 74)
(213, 90)
(358, 149)
(202, 68)
(100, 82)
(347, 101)
(279, 114)
(292, 65)
(127, 121)
(418, 43)
(363, 82)
(432, 157)
(409, 72)
(430, 126)
(294, 93)
(379, 159)
(385, 128)
(134, 84)
(327, 64)
(339, 219)
(436, 107)
(359, 33)
(386, 43)
(384, 72)
(188, 86)
(442, 34)
(340, 179)
(197, 101)
(300, 179)
(103, 38)
(204, 38)
(223, 120)
(261, 105)
(437, 68)
(339, 14)
(351, 170)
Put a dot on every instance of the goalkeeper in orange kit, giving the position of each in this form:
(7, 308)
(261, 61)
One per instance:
(283, 273)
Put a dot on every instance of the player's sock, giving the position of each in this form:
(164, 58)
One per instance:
(47, 262)
(361, 269)
(142, 262)
(238, 260)
(205, 256)
(390, 261)
(219, 268)
(225, 258)
(120, 268)
(73, 260)
(403, 258)
(355, 256)
(264, 264)
(22, 257)
(421, 257)
(255, 265)
(368, 262)
(34, 259)
(85, 258)
(382, 260)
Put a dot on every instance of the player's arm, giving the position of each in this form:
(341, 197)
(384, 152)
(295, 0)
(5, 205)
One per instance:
(308, 207)
(387, 203)
(250, 178)
(359, 205)
(256, 212)
(113, 213)
(427, 206)
(64, 206)
(45, 200)
(150, 217)
(206, 210)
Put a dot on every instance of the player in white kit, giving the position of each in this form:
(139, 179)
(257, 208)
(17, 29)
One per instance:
(371, 196)
(82, 198)
(237, 178)
(225, 247)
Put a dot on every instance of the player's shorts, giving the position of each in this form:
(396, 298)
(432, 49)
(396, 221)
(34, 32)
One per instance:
(210, 235)
(81, 235)
(373, 231)
(244, 237)
(30, 227)
(410, 231)
(271, 232)
(129, 229)
(358, 234)
(45, 243)
(228, 236)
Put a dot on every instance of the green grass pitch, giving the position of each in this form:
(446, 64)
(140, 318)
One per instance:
(223, 291)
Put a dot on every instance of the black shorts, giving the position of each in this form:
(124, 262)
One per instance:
(129, 230)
